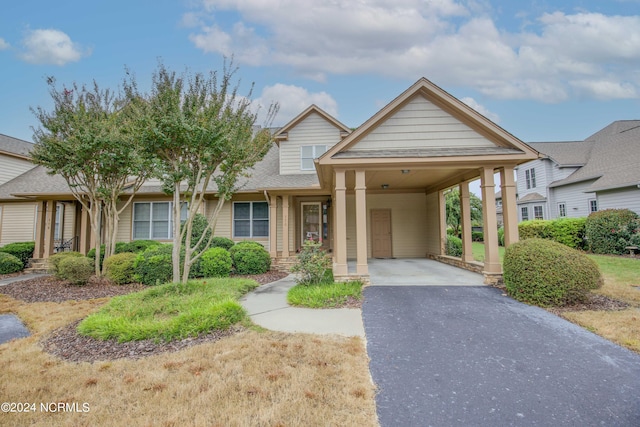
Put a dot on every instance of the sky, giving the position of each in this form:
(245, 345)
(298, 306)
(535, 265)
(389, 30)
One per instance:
(543, 70)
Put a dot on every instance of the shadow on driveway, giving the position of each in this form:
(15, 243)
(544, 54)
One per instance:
(451, 356)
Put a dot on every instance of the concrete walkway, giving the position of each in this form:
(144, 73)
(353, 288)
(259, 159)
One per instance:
(420, 272)
(10, 280)
(267, 306)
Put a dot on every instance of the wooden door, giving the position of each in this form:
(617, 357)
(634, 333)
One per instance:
(381, 233)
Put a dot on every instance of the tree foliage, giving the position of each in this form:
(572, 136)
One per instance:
(452, 205)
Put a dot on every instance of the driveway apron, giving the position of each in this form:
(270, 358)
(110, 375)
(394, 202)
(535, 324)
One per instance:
(452, 356)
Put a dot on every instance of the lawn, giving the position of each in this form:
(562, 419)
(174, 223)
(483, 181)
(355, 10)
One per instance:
(477, 248)
(254, 377)
(324, 295)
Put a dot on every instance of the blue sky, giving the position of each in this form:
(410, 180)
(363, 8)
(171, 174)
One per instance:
(544, 70)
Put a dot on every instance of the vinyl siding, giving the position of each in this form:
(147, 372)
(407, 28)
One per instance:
(421, 124)
(125, 224)
(11, 167)
(432, 224)
(574, 198)
(313, 130)
(542, 177)
(624, 198)
(17, 222)
(68, 225)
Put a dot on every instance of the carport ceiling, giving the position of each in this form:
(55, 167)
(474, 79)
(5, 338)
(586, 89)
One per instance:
(411, 179)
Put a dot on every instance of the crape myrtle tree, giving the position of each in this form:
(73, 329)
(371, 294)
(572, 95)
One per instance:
(87, 139)
(452, 208)
(200, 132)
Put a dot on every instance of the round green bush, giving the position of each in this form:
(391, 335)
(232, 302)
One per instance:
(136, 246)
(610, 231)
(199, 226)
(216, 262)
(56, 259)
(250, 257)
(454, 246)
(546, 273)
(10, 263)
(21, 250)
(119, 268)
(76, 270)
(222, 242)
(153, 266)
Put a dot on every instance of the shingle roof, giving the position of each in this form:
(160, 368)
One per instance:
(13, 145)
(565, 154)
(613, 157)
(532, 197)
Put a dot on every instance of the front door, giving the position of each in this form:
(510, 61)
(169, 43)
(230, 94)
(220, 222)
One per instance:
(311, 222)
(381, 233)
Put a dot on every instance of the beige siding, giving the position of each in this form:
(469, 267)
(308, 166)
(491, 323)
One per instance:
(421, 124)
(313, 130)
(68, 225)
(10, 167)
(432, 223)
(17, 222)
(125, 224)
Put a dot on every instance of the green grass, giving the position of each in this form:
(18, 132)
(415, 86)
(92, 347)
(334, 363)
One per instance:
(623, 270)
(170, 311)
(324, 295)
(477, 248)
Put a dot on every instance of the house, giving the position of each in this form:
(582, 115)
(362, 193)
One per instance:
(573, 179)
(375, 192)
(17, 216)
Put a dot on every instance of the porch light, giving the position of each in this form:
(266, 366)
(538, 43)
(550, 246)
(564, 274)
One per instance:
(405, 171)
(384, 186)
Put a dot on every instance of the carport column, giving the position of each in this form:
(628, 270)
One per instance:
(340, 260)
(49, 228)
(85, 231)
(273, 226)
(285, 226)
(509, 208)
(492, 265)
(40, 226)
(442, 210)
(465, 215)
(361, 224)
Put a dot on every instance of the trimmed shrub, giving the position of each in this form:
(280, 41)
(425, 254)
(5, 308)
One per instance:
(76, 270)
(216, 262)
(198, 227)
(153, 266)
(535, 228)
(501, 236)
(547, 273)
(21, 250)
(312, 264)
(477, 236)
(119, 268)
(10, 263)
(568, 231)
(454, 246)
(56, 259)
(611, 230)
(222, 242)
(135, 246)
(250, 257)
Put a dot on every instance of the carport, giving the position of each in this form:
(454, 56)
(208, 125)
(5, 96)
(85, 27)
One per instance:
(419, 272)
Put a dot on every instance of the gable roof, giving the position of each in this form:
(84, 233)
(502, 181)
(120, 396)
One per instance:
(15, 147)
(282, 133)
(504, 142)
(612, 157)
(566, 153)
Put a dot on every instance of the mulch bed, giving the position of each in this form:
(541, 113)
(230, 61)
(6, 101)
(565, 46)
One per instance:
(596, 303)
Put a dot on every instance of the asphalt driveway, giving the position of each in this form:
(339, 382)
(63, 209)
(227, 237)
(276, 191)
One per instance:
(469, 356)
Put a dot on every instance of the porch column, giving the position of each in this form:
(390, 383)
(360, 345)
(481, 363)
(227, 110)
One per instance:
(442, 209)
(40, 226)
(340, 261)
(361, 224)
(285, 226)
(491, 257)
(509, 207)
(85, 231)
(465, 215)
(49, 228)
(273, 226)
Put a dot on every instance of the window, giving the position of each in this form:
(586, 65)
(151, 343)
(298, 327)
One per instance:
(250, 219)
(537, 212)
(525, 213)
(593, 205)
(562, 209)
(308, 153)
(57, 231)
(154, 220)
(530, 178)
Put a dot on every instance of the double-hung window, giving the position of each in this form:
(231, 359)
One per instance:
(530, 178)
(593, 205)
(524, 211)
(250, 219)
(562, 209)
(154, 220)
(537, 212)
(308, 153)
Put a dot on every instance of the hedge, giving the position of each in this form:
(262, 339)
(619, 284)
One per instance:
(454, 246)
(119, 268)
(568, 231)
(216, 262)
(77, 270)
(250, 257)
(21, 250)
(611, 230)
(10, 263)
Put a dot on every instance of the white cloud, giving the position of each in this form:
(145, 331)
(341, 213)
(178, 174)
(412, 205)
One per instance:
(555, 57)
(481, 109)
(50, 47)
(293, 100)
(3, 44)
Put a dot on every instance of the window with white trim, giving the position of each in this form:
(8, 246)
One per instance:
(308, 153)
(524, 212)
(530, 178)
(562, 209)
(537, 212)
(593, 205)
(57, 231)
(250, 219)
(154, 220)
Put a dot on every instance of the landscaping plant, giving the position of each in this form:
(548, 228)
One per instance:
(454, 246)
(56, 259)
(311, 264)
(610, 231)
(10, 263)
(546, 273)
(76, 270)
(21, 250)
(216, 262)
(119, 268)
(250, 257)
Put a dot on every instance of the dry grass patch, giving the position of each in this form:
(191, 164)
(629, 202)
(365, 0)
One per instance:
(251, 378)
(622, 327)
(622, 277)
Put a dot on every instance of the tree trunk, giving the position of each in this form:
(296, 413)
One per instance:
(96, 210)
(175, 256)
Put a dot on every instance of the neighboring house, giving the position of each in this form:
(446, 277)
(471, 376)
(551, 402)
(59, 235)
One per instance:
(17, 217)
(573, 179)
(376, 192)
(499, 215)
